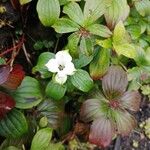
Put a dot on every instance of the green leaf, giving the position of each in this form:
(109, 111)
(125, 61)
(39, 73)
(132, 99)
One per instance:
(55, 146)
(82, 61)
(28, 93)
(48, 11)
(73, 41)
(99, 30)
(55, 90)
(2, 61)
(120, 34)
(41, 139)
(82, 81)
(121, 42)
(135, 31)
(127, 50)
(40, 67)
(118, 11)
(107, 43)
(86, 46)
(100, 64)
(74, 12)
(13, 125)
(22, 2)
(65, 25)
(143, 7)
(49, 110)
(93, 10)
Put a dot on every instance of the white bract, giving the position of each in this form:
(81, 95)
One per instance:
(61, 65)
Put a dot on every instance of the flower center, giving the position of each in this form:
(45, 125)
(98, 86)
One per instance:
(114, 104)
(61, 67)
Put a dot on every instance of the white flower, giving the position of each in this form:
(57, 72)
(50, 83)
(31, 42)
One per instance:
(62, 65)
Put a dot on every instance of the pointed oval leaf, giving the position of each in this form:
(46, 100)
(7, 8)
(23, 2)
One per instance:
(28, 93)
(91, 109)
(55, 90)
(100, 64)
(131, 100)
(73, 41)
(82, 81)
(6, 104)
(48, 11)
(93, 10)
(40, 67)
(74, 12)
(4, 73)
(86, 46)
(65, 25)
(125, 122)
(117, 11)
(101, 132)
(12, 148)
(115, 82)
(15, 77)
(49, 109)
(143, 7)
(13, 125)
(41, 139)
(99, 30)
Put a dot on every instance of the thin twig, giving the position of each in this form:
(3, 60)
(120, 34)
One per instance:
(57, 42)
(26, 54)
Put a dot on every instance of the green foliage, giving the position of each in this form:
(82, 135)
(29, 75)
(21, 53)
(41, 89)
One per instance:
(48, 11)
(41, 139)
(28, 93)
(13, 125)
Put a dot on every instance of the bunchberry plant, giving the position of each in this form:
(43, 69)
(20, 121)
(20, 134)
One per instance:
(109, 109)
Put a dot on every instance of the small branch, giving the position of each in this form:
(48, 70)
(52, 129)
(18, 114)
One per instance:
(26, 54)
(117, 144)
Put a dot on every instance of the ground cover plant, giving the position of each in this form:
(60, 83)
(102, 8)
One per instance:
(74, 74)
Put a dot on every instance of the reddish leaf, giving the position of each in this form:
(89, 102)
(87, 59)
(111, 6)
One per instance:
(131, 100)
(102, 131)
(15, 4)
(6, 104)
(4, 73)
(91, 109)
(115, 82)
(125, 122)
(15, 77)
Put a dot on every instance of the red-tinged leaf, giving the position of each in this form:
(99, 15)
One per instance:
(15, 4)
(115, 82)
(6, 104)
(131, 100)
(4, 73)
(15, 77)
(91, 109)
(101, 132)
(125, 122)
